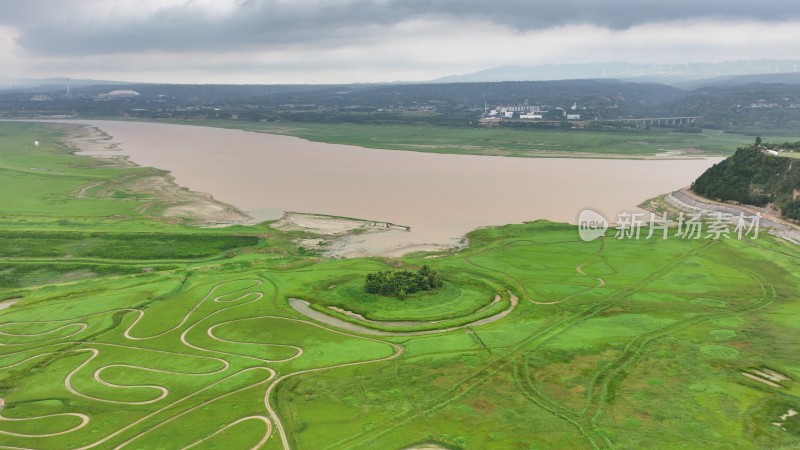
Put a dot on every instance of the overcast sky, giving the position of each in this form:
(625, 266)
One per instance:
(342, 41)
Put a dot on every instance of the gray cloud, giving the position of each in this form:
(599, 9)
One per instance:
(614, 14)
(50, 27)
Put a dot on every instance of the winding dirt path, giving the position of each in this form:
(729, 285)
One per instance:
(81, 327)
(190, 321)
(260, 444)
(83, 417)
(304, 308)
(398, 350)
(7, 303)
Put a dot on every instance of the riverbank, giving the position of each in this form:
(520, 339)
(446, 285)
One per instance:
(539, 143)
(684, 200)
(344, 237)
(169, 200)
(441, 197)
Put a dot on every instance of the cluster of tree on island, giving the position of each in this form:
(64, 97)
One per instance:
(399, 283)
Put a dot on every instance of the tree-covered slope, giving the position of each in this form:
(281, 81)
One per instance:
(756, 177)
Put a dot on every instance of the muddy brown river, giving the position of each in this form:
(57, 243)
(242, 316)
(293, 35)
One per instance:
(440, 197)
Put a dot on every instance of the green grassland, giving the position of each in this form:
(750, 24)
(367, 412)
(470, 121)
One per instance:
(613, 343)
(42, 180)
(503, 141)
(50, 233)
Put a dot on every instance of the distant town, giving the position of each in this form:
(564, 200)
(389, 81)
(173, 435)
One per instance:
(535, 104)
(528, 112)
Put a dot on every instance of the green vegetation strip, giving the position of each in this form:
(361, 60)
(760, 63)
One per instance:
(501, 142)
(132, 246)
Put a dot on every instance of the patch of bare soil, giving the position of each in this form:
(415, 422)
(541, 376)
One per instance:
(774, 375)
(761, 380)
(414, 248)
(176, 202)
(7, 303)
(355, 246)
(340, 235)
(330, 225)
(90, 139)
(770, 374)
(426, 447)
(784, 418)
(684, 200)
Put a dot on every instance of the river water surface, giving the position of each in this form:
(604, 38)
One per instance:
(440, 197)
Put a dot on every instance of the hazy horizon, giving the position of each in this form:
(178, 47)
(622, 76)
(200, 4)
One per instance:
(357, 41)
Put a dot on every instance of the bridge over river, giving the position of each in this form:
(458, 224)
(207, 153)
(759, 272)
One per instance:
(657, 120)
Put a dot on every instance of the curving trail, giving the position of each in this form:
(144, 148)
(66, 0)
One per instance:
(192, 409)
(81, 327)
(84, 421)
(398, 350)
(97, 376)
(304, 308)
(600, 283)
(298, 350)
(94, 353)
(186, 316)
(263, 440)
(164, 407)
(521, 287)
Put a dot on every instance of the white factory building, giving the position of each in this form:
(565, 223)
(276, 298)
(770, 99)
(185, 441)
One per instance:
(119, 94)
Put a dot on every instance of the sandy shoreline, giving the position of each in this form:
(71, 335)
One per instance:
(344, 237)
(180, 203)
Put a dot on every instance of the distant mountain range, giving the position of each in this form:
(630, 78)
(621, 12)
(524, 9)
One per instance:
(749, 103)
(673, 74)
(686, 76)
(50, 84)
(740, 80)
